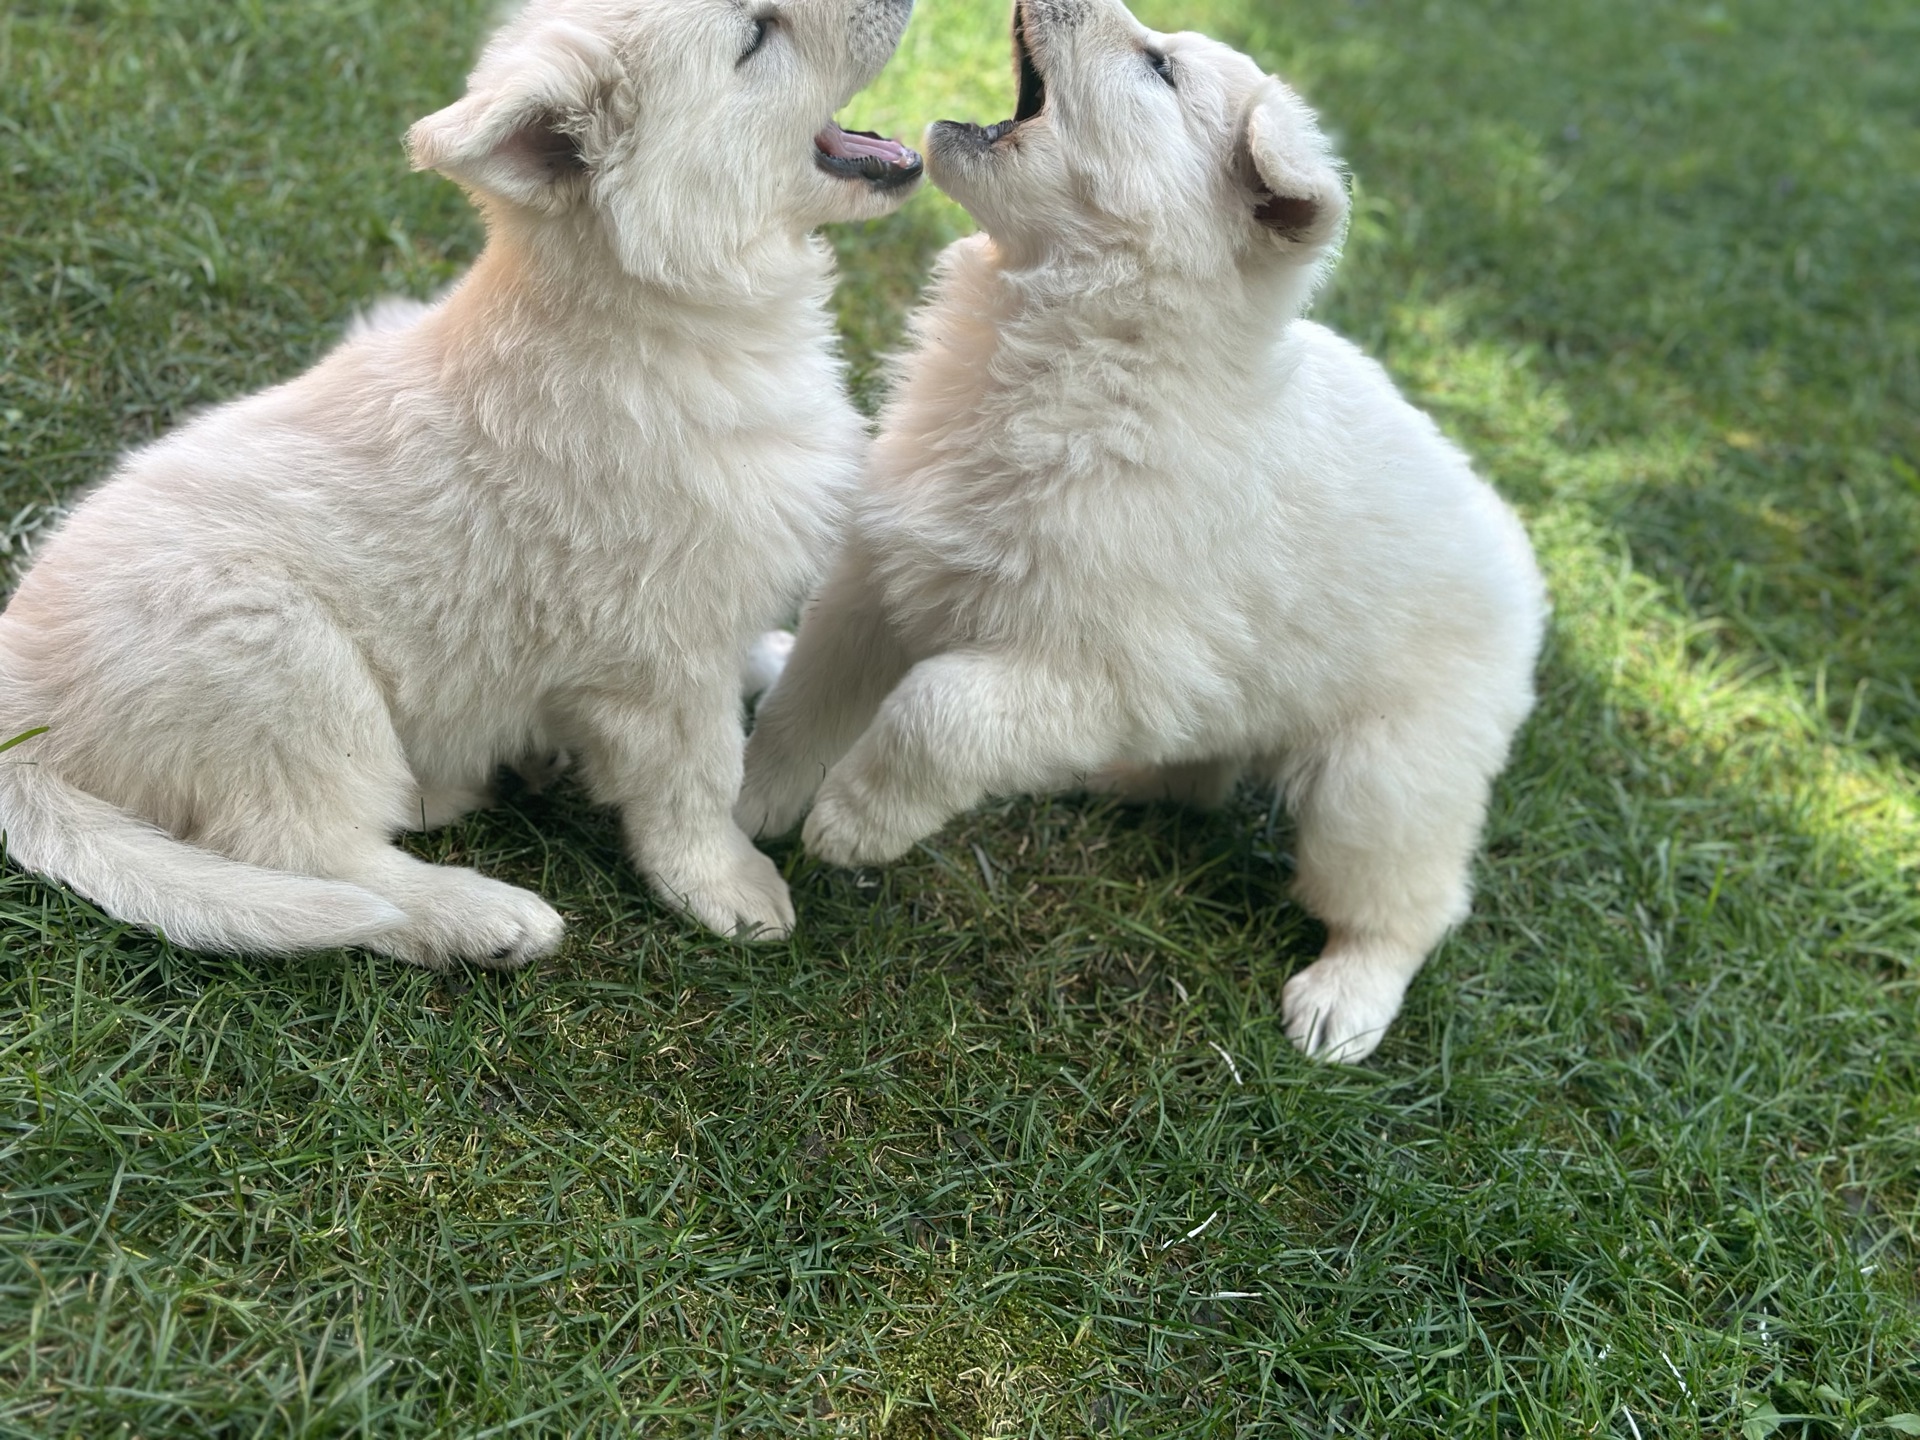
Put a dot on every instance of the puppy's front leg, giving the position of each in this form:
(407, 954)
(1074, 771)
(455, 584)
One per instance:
(961, 726)
(672, 765)
(845, 660)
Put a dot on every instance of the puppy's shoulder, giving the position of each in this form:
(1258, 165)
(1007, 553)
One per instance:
(1329, 380)
(1310, 349)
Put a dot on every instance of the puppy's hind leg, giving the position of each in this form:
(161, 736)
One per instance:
(313, 779)
(439, 805)
(844, 661)
(1387, 823)
(451, 914)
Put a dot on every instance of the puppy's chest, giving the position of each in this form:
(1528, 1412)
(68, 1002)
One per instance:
(1012, 535)
(717, 541)
(631, 545)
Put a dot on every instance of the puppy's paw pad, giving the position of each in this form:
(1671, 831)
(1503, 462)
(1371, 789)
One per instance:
(1338, 1010)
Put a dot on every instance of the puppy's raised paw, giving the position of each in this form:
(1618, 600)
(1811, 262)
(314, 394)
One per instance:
(844, 831)
(770, 804)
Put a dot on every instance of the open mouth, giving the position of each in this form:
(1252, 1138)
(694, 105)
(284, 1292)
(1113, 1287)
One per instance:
(862, 155)
(1033, 88)
(1031, 100)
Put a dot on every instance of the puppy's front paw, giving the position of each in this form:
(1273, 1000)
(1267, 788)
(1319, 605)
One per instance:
(844, 829)
(770, 803)
(1339, 1007)
(742, 895)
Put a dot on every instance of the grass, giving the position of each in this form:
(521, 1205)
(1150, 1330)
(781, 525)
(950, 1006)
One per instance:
(1008, 1140)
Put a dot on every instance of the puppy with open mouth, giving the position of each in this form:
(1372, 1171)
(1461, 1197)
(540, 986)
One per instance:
(1132, 521)
(550, 512)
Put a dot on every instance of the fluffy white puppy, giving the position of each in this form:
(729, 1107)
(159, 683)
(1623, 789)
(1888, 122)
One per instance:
(1131, 519)
(550, 512)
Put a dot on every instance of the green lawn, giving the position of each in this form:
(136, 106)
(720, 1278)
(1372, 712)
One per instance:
(1008, 1140)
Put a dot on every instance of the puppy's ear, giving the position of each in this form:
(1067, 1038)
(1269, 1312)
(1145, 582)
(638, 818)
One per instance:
(521, 129)
(1297, 191)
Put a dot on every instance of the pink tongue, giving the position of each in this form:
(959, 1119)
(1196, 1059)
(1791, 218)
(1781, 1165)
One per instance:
(844, 145)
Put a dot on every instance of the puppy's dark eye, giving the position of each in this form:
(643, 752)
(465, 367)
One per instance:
(761, 27)
(1162, 66)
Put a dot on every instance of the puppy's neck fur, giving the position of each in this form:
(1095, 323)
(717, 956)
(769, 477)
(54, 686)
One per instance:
(539, 305)
(567, 267)
(547, 357)
(1114, 301)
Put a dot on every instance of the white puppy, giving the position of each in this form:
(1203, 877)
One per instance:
(550, 512)
(1131, 519)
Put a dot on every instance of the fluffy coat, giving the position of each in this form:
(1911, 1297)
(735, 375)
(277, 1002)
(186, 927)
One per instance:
(1131, 522)
(547, 513)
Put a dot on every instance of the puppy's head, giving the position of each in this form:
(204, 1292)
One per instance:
(690, 132)
(1172, 148)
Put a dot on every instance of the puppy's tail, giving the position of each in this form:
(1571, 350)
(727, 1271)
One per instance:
(196, 898)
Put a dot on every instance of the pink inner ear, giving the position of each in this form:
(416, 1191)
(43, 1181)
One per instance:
(1289, 215)
(540, 145)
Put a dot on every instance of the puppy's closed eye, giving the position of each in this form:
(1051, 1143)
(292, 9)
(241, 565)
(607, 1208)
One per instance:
(762, 27)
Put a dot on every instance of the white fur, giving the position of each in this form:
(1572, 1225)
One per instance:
(1132, 522)
(547, 514)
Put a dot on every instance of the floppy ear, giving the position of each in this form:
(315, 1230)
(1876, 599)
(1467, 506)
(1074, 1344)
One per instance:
(1298, 192)
(519, 131)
